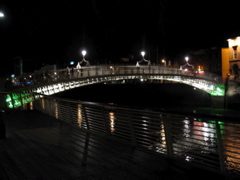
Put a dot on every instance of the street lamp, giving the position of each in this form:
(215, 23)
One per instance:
(186, 58)
(84, 53)
(143, 54)
(1, 14)
(164, 62)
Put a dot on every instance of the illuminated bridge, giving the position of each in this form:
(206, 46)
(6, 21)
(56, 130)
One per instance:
(54, 81)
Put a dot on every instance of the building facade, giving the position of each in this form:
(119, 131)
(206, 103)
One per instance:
(225, 62)
(214, 60)
(234, 57)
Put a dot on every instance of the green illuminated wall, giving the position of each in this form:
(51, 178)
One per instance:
(14, 100)
(219, 90)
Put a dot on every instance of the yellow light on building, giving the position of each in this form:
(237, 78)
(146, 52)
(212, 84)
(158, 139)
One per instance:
(225, 62)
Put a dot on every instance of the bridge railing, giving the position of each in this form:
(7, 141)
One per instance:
(103, 70)
(125, 70)
(206, 141)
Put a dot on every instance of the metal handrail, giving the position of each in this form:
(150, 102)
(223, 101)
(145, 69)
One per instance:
(58, 75)
(206, 141)
(124, 70)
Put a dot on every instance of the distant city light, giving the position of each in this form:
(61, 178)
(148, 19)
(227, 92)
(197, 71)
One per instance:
(164, 62)
(28, 82)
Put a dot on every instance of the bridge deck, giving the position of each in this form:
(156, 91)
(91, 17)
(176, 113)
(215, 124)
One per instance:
(40, 147)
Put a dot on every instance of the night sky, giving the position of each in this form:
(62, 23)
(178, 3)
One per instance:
(41, 32)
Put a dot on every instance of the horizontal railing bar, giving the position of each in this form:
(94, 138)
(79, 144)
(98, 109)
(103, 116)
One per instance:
(229, 153)
(123, 132)
(186, 144)
(191, 144)
(233, 147)
(122, 128)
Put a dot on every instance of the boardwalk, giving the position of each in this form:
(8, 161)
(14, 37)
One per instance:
(40, 147)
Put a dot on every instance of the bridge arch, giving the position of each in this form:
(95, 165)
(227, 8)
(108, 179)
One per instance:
(209, 86)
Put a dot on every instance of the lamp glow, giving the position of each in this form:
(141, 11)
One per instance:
(84, 53)
(1, 14)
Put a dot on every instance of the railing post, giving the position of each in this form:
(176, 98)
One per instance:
(70, 111)
(86, 118)
(220, 147)
(58, 108)
(96, 71)
(131, 128)
(21, 100)
(107, 128)
(168, 135)
(2, 125)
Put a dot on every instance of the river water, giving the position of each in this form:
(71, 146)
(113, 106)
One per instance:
(147, 95)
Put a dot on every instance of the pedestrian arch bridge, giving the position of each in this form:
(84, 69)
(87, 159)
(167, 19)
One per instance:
(54, 81)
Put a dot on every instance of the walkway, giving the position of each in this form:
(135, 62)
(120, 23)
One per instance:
(40, 147)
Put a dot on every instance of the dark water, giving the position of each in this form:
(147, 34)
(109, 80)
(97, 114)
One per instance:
(147, 95)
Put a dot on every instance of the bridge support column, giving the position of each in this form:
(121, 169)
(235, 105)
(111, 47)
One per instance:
(217, 102)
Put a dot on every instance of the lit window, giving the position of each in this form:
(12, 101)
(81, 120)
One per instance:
(234, 52)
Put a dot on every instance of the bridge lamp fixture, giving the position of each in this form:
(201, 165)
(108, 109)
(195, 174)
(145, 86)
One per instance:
(143, 54)
(1, 14)
(84, 53)
(187, 58)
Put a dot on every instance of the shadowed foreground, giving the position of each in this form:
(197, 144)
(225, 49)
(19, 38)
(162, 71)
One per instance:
(40, 147)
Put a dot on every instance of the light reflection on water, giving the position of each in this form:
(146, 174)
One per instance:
(56, 109)
(161, 144)
(43, 103)
(79, 115)
(112, 119)
(192, 139)
(231, 141)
